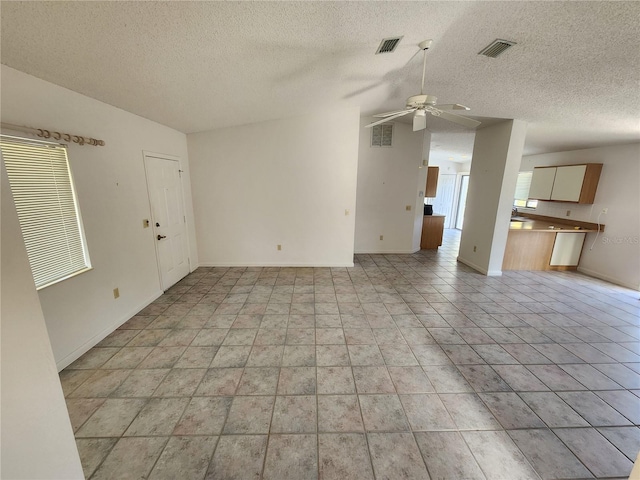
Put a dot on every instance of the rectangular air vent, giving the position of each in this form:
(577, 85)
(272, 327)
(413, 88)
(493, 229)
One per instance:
(388, 45)
(496, 48)
(382, 135)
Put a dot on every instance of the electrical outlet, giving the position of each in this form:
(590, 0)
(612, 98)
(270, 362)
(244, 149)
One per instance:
(279, 247)
(474, 248)
(346, 212)
(408, 208)
(568, 213)
(116, 292)
(381, 237)
(605, 210)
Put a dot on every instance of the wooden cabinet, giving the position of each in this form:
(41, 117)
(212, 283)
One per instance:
(566, 183)
(542, 183)
(432, 182)
(531, 250)
(432, 230)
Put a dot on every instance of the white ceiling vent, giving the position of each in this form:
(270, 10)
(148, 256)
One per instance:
(496, 48)
(388, 45)
(382, 135)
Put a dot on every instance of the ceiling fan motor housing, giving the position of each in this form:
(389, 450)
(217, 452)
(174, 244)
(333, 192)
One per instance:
(417, 101)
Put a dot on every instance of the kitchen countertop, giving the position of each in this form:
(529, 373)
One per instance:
(535, 225)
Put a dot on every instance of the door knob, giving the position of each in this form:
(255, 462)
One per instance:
(160, 237)
(157, 224)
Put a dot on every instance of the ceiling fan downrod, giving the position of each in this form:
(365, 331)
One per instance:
(425, 45)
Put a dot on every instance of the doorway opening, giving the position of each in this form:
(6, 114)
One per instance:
(462, 200)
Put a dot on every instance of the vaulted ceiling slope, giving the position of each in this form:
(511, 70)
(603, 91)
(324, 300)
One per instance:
(573, 75)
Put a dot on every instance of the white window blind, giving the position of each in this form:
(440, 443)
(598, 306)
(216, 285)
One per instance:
(47, 208)
(522, 189)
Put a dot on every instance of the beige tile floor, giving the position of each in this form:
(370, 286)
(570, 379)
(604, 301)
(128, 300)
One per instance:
(403, 367)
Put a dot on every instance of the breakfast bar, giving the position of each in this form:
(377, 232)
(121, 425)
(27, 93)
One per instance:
(537, 242)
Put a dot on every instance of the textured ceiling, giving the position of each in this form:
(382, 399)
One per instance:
(574, 74)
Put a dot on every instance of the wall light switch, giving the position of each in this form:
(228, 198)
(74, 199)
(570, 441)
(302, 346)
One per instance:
(568, 213)
(474, 248)
(381, 237)
(408, 208)
(279, 247)
(421, 193)
(116, 292)
(346, 212)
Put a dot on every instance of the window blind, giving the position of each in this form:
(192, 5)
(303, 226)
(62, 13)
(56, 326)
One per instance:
(47, 208)
(522, 189)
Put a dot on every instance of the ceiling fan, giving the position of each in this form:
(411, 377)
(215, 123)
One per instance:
(422, 104)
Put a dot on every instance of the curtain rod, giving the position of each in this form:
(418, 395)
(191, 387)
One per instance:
(41, 132)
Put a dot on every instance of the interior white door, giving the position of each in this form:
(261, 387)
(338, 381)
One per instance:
(443, 203)
(462, 201)
(167, 218)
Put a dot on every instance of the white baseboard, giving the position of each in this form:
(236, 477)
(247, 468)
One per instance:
(388, 252)
(484, 271)
(93, 341)
(274, 264)
(607, 278)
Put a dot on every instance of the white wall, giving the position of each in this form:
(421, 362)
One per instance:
(616, 254)
(497, 152)
(111, 188)
(284, 182)
(389, 179)
(37, 439)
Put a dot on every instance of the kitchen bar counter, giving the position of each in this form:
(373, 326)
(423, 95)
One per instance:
(533, 225)
(536, 242)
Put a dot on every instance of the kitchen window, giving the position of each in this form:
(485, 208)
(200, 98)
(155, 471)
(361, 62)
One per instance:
(522, 191)
(47, 207)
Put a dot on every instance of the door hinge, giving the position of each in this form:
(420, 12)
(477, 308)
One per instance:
(184, 218)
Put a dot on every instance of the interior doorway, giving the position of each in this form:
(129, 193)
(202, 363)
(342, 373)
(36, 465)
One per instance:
(168, 220)
(462, 200)
(443, 202)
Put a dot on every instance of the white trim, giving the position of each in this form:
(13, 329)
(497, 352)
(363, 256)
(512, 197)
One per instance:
(607, 278)
(389, 252)
(276, 264)
(93, 341)
(484, 271)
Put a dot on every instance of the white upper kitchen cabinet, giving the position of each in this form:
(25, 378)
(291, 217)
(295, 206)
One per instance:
(568, 183)
(542, 183)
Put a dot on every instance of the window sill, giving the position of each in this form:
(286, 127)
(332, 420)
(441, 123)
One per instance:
(74, 274)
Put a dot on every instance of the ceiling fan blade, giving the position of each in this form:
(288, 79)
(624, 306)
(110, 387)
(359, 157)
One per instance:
(452, 106)
(389, 114)
(419, 120)
(459, 119)
(404, 112)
